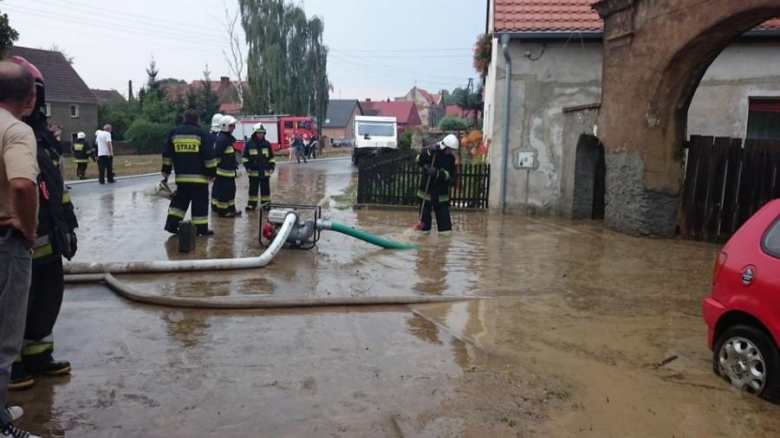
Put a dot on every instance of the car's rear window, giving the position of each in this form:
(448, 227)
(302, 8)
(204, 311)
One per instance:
(771, 242)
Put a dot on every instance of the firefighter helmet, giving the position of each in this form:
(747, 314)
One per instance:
(450, 141)
(259, 128)
(36, 74)
(216, 122)
(226, 123)
(81, 136)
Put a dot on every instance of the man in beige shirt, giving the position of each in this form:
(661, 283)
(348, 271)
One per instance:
(18, 221)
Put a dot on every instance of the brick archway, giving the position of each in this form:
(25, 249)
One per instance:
(655, 55)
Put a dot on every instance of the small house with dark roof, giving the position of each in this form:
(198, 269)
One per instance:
(70, 104)
(108, 96)
(339, 124)
(555, 48)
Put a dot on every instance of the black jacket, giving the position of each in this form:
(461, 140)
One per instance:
(56, 217)
(188, 151)
(226, 155)
(438, 189)
(259, 158)
(82, 151)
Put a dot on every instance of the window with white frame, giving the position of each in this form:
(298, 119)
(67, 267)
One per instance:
(48, 110)
(74, 111)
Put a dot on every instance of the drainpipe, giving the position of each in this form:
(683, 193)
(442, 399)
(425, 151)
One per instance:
(505, 38)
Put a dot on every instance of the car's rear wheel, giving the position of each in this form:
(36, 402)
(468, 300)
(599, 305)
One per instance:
(747, 358)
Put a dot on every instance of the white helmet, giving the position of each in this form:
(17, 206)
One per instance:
(81, 136)
(259, 128)
(450, 141)
(226, 122)
(216, 122)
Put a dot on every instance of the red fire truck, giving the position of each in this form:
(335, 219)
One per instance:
(280, 130)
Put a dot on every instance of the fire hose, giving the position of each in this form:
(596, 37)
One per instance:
(81, 273)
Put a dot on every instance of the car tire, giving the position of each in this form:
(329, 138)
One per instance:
(767, 351)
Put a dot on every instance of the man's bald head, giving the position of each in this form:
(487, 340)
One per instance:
(16, 83)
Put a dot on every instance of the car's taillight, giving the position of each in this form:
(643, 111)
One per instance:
(719, 262)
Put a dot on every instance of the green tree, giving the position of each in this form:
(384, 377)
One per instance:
(120, 115)
(452, 123)
(405, 142)
(7, 35)
(287, 59)
(207, 103)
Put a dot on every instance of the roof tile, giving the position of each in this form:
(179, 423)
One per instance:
(558, 16)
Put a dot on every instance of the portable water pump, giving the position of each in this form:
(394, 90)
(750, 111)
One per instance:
(306, 232)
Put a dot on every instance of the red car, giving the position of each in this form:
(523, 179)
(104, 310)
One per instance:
(743, 310)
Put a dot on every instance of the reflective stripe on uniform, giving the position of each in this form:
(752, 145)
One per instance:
(37, 347)
(272, 160)
(254, 174)
(176, 212)
(226, 173)
(265, 199)
(229, 150)
(210, 164)
(218, 204)
(266, 153)
(253, 152)
(42, 251)
(445, 198)
(193, 179)
(422, 195)
(268, 173)
(446, 173)
(80, 161)
(245, 160)
(200, 220)
(66, 197)
(167, 161)
(78, 147)
(186, 144)
(254, 198)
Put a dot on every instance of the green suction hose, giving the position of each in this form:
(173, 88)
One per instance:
(366, 237)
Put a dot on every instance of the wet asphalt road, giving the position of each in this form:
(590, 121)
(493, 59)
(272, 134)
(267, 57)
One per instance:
(567, 344)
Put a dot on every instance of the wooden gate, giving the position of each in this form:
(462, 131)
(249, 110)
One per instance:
(725, 184)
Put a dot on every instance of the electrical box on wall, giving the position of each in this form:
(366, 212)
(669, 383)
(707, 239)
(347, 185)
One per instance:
(525, 159)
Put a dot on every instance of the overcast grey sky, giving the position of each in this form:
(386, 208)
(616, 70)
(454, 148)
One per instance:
(379, 48)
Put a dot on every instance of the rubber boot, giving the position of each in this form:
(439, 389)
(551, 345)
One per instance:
(21, 379)
(45, 364)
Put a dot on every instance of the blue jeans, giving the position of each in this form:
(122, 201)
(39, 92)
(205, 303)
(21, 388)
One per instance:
(15, 277)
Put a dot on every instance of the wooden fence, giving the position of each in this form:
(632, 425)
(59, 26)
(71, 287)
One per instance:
(394, 179)
(725, 184)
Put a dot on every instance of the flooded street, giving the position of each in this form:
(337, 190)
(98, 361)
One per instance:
(570, 338)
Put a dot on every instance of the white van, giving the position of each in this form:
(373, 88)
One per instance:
(373, 136)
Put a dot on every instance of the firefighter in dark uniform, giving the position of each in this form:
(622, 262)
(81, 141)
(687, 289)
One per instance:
(438, 164)
(223, 196)
(260, 165)
(56, 239)
(189, 151)
(82, 153)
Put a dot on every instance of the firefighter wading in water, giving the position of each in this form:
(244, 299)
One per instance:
(223, 197)
(56, 239)
(260, 165)
(189, 151)
(438, 173)
(82, 153)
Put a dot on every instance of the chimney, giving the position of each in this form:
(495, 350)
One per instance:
(224, 81)
(368, 99)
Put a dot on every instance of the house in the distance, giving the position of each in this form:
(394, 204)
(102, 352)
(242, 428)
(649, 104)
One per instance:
(339, 124)
(69, 102)
(429, 106)
(225, 89)
(556, 52)
(105, 97)
(405, 112)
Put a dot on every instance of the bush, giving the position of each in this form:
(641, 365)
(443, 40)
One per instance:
(405, 142)
(452, 123)
(148, 137)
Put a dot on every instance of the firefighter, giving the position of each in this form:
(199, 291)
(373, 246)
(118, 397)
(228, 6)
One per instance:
(82, 153)
(260, 165)
(56, 239)
(223, 197)
(438, 165)
(188, 151)
(215, 127)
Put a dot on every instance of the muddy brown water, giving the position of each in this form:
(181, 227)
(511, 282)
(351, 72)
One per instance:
(567, 343)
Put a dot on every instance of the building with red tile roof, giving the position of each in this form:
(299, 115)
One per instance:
(405, 112)
(555, 47)
(429, 105)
